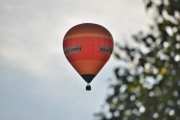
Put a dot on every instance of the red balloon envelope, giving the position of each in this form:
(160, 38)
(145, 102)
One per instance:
(88, 47)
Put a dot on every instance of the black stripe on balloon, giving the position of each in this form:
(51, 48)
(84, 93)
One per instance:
(88, 77)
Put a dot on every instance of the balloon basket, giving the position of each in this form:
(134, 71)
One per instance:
(88, 88)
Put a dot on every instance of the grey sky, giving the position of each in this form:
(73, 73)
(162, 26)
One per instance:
(36, 81)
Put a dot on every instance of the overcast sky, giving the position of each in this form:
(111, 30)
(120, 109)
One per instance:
(36, 80)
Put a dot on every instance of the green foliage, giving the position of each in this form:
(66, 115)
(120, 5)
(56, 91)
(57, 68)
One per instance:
(147, 84)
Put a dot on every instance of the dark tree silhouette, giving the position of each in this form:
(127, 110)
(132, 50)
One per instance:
(147, 83)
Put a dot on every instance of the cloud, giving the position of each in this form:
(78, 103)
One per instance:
(36, 80)
(32, 31)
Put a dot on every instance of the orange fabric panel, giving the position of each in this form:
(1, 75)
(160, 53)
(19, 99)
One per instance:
(88, 66)
(89, 48)
(88, 28)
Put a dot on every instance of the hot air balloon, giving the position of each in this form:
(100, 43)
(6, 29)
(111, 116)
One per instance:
(88, 47)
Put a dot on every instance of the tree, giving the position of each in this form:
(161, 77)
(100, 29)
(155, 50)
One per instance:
(147, 84)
